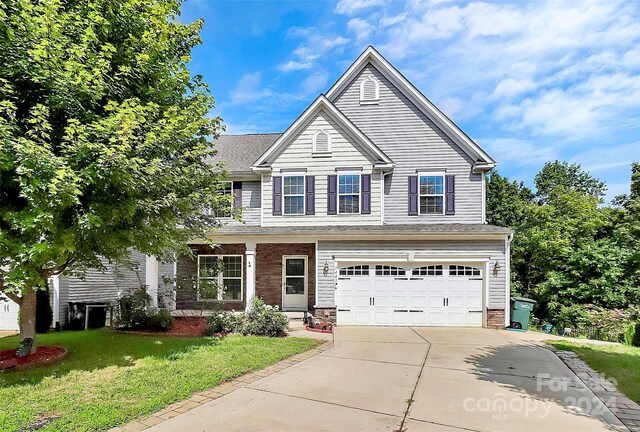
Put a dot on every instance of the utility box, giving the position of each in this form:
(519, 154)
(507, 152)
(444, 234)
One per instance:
(520, 310)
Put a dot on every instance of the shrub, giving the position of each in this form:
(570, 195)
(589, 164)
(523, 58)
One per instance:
(44, 314)
(160, 320)
(260, 320)
(264, 320)
(629, 333)
(224, 322)
(133, 310)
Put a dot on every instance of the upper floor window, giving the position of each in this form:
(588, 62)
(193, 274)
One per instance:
(322, 142)
(225, 189)
(293, 194)
(431, 192)
(349, 193)
(220, 277)
(369, 90)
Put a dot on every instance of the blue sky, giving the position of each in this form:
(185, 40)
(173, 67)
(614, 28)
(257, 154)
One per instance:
(529, 81)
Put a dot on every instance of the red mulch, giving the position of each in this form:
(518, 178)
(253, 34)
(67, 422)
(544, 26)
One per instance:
(182, 326)
(328, 328)
(43, 356)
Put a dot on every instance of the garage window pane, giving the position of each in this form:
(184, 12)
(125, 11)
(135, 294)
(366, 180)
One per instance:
(385, 270)
(433, 270)
(457, 270)
(359, 270)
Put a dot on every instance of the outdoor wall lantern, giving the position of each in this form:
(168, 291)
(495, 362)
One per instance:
(325, 269)
(496, 269)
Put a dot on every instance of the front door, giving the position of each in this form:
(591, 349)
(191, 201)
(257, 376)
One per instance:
(294, 283)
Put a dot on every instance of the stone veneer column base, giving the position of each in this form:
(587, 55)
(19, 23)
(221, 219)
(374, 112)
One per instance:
(495, 319)
(324, 312)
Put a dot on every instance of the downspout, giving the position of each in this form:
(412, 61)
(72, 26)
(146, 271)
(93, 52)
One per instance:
(384, 175)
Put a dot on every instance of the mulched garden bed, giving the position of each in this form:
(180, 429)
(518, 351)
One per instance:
(43, 356)
(182, 326)
(320, 328)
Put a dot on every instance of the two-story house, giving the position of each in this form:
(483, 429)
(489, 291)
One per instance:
(370, 207)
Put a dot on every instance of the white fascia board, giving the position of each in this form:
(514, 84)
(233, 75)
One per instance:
(321, 102)
(227, 238)
(409, 90)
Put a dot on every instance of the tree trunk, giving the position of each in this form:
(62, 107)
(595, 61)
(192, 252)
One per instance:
(28, 316)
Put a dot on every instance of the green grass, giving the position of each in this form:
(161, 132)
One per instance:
(620, 362)
(111, 378)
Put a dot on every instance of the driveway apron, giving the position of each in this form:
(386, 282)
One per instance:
(417, 379)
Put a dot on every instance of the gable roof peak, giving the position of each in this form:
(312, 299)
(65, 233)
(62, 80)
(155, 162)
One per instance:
(321, 102)
(373, 56)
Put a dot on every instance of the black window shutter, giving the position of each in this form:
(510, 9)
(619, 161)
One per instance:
(332, 189)
(310, 187)
(413, 195)
(237, 194)
(365, 194)
(277, 196)
(450, 195)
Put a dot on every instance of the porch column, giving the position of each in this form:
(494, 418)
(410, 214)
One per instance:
(55, 282)
(251, 273)
(151, 279)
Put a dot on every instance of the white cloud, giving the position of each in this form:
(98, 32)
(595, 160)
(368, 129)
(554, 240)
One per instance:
(610, 157)
(248, 89)
(361, 28)
(349, 7)
(316, 45)
(292, 65)
(517, 151)
(315, 83)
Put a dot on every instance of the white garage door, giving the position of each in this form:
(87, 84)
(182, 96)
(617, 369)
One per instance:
(8, 314)
(429, 295)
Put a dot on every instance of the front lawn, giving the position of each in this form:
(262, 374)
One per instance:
(619, 362)
(111, 378)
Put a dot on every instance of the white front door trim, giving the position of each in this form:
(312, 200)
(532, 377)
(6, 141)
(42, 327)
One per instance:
(298, 303)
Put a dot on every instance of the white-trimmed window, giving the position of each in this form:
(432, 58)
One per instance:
(349, 193)
(356, 270)
(222, 212)
(431, 193)
(431, 270)
(220, 277)
(369, 90)
(460, 270)
(322, 142)
(293, 194)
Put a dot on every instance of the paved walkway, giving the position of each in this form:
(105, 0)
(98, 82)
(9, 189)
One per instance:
(410, 379)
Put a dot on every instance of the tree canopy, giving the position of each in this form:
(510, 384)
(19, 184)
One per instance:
(569, 251)
(104, 134)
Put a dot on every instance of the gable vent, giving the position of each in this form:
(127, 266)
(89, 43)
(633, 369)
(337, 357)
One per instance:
(322, 142)
(369, 90)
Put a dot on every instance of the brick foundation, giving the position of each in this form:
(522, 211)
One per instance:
(495, 319)
(269, 264)
(187, 273)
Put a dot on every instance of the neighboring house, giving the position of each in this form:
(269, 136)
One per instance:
(98, 287)
(370, 207)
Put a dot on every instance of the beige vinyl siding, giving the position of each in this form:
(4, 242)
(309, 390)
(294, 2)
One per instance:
(413, 142)
(100, 286)
(250, 204)
(327, 249)
(63, 306)
(345, 152)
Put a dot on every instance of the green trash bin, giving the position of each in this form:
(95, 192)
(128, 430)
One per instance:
(520, 309)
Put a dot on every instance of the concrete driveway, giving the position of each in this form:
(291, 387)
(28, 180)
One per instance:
(447, 379)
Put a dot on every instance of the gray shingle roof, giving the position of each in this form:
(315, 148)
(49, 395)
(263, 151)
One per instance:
(404, 229)
(239, 152)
